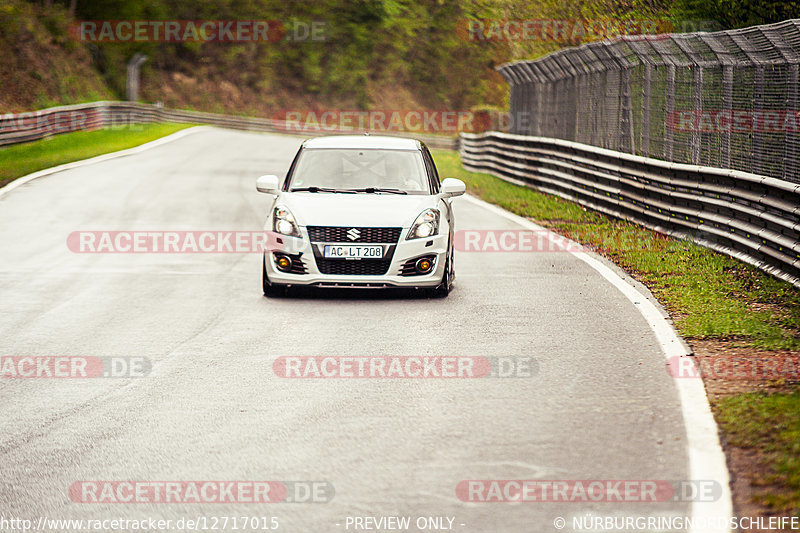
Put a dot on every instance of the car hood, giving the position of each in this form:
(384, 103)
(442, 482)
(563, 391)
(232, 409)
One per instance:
(380, 210)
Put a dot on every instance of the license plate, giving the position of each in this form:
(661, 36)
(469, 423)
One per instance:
(353, 252)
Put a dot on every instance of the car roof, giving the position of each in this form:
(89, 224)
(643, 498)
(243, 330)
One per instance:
(363, 141)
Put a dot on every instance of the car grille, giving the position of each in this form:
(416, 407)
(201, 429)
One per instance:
(298, 266)
(343, 267)
(408, 268)
(367, 235)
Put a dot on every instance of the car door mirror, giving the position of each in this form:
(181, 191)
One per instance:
(453, 187)
(267, 184)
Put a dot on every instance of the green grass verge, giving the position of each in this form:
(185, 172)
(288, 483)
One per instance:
(22, 159)
(770, 423)
(710, 295)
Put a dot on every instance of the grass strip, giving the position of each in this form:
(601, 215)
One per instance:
(22, 159)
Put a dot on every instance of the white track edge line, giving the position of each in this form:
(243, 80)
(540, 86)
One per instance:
(99, 159)
(706, 457)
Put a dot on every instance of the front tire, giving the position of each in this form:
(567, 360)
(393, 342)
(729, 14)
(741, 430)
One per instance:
(443, 290)
(270, 290)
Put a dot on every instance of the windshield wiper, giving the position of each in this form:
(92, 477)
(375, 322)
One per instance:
(373, 190)
(322, 189)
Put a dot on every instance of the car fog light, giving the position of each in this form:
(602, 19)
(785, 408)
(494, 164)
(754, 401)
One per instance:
(283, 263)
(424, 265)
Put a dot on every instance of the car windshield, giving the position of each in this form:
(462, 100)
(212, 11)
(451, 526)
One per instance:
(362, 170)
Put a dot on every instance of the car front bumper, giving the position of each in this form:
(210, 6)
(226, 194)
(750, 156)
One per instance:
(405, 250)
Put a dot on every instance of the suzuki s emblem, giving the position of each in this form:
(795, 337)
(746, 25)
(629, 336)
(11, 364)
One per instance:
(353, 234)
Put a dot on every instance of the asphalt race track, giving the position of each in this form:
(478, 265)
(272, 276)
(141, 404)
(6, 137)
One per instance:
(600, 407)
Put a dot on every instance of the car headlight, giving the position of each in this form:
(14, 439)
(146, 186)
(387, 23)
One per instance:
(426, 225)
(283, 222)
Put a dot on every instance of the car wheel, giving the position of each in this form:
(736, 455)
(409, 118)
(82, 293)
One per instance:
(447, 280)
(270, 290)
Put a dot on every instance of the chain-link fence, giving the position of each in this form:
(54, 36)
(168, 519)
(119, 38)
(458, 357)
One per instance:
(724, 99)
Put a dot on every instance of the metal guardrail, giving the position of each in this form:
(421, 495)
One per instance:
(753, 218)
(35, 125)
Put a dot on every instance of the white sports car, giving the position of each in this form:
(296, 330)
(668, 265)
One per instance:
(360, 211)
